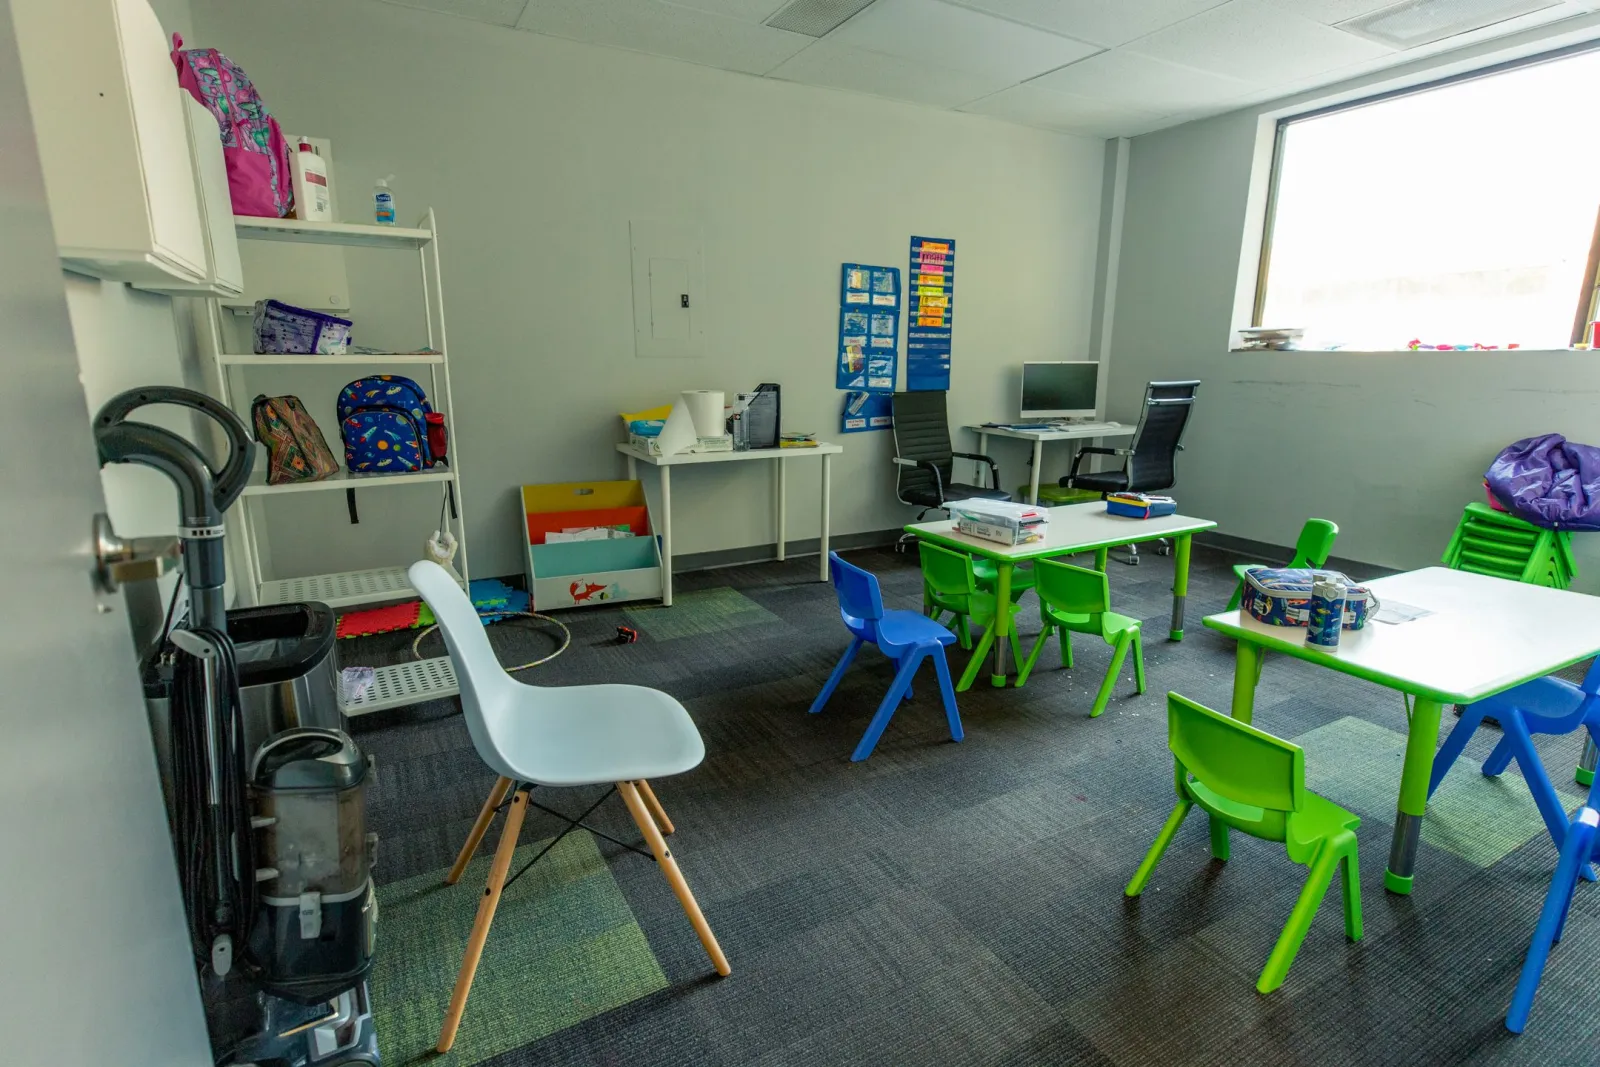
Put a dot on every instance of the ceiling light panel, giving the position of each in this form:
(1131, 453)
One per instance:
(815, 18)
(958, 38)
(1418, 22)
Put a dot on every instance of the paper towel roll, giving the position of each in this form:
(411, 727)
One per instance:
(705, 408)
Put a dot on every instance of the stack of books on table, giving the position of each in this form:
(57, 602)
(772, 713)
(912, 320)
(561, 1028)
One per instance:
(1001, 520)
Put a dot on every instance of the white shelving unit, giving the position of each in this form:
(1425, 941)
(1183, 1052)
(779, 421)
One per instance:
(400, 684)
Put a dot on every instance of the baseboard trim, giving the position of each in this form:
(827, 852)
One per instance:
(806, 546)
(1266, 552)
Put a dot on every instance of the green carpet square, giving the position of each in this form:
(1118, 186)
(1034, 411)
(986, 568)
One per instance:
(564, 947)
(1356, 764)
(707, 611)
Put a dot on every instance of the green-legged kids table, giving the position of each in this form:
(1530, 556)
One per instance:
(1072, 529)
(1480, 636)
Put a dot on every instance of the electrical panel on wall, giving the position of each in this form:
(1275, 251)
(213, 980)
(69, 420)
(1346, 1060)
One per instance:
(668, 289)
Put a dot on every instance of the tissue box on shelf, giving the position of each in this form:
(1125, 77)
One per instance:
(1000, 520)
(1140, 505)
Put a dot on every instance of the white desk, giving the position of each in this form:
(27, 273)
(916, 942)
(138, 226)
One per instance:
(1039, 437)
(1484, 636)
(780, 457)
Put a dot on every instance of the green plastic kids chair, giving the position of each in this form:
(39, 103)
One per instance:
(1248, 780)
(1078, 600)
(1310, 550)
(950, 584)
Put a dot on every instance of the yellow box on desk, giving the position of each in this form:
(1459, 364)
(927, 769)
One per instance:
(585, 573)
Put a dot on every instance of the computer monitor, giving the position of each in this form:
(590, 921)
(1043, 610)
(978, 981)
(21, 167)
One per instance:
(1060, 390)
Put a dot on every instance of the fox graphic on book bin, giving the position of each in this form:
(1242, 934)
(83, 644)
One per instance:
(389, 427)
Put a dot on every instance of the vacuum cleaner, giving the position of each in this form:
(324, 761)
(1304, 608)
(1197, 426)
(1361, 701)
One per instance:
(270, 834)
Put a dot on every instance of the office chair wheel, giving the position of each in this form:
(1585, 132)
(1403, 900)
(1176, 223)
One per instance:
(1131, 559)
(1163, 547)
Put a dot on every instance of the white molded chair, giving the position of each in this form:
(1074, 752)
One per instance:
(547, 736)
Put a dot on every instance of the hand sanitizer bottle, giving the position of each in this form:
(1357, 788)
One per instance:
(383, 202)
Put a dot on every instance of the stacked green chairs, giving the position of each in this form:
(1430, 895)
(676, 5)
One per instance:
(950, 584)
(1311, 550)
(1494, 543)
(1247, 780)
(1076, 600)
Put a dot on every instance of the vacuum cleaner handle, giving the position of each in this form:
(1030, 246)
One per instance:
(227, 483)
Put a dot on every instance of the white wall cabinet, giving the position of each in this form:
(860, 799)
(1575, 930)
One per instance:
(113, 140)
(224, 266)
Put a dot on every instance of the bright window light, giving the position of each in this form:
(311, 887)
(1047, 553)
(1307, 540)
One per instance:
(1455, 216)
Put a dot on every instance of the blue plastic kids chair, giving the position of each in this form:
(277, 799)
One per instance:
(1542, 706)
(1576, 853)
(904, 636)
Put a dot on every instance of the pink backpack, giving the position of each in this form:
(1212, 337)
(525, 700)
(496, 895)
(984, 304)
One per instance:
(252, 144)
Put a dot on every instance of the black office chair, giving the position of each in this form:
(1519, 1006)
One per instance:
(1150, 465)
(922, 452)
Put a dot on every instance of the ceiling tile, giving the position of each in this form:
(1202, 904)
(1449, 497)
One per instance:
(1250, 40)
(1103, 22)
(957, 38)
(1133, 80)
(1033, 106)
(499, 12)
(839, 66)
(1328, 12)
(665, 30)
(743, 10)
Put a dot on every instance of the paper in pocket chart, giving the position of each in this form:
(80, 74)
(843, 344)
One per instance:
(930, 312)
(869, 328)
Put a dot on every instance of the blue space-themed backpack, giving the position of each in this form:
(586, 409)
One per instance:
(384, 422)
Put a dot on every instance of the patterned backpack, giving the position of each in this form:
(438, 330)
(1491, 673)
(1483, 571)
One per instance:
(385, 422)
(252, 144)
(296, 449)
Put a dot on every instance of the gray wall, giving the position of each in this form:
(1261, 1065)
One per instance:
(1389, 445)
(537, 152)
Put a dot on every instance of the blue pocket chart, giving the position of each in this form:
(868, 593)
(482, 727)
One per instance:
(930, 312)
(869, 328)
(865, 411)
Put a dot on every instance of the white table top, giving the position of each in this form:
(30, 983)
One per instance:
(1485, 635)
(823, 448)
(1073, 528)
(1116, 429)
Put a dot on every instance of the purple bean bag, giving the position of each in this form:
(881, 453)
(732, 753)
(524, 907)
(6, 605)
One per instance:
(1549, 481)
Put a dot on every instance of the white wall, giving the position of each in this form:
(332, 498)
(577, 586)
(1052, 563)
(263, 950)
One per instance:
(1390, 446)
(537, 152)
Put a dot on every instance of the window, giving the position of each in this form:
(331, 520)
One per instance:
(1461, 214)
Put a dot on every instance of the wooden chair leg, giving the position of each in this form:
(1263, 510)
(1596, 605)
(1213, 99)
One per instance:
(669, 867)
(480, 925)
(654, 805)
(497, 796)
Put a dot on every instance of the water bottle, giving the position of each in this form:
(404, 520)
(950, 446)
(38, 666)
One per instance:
(1326, 618)
(383, 202)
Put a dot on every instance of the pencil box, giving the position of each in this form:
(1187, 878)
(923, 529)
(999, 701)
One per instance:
(1281, 596)
(1140, 505)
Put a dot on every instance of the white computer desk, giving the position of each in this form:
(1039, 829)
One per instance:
(780, 458)
(1039, 437)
